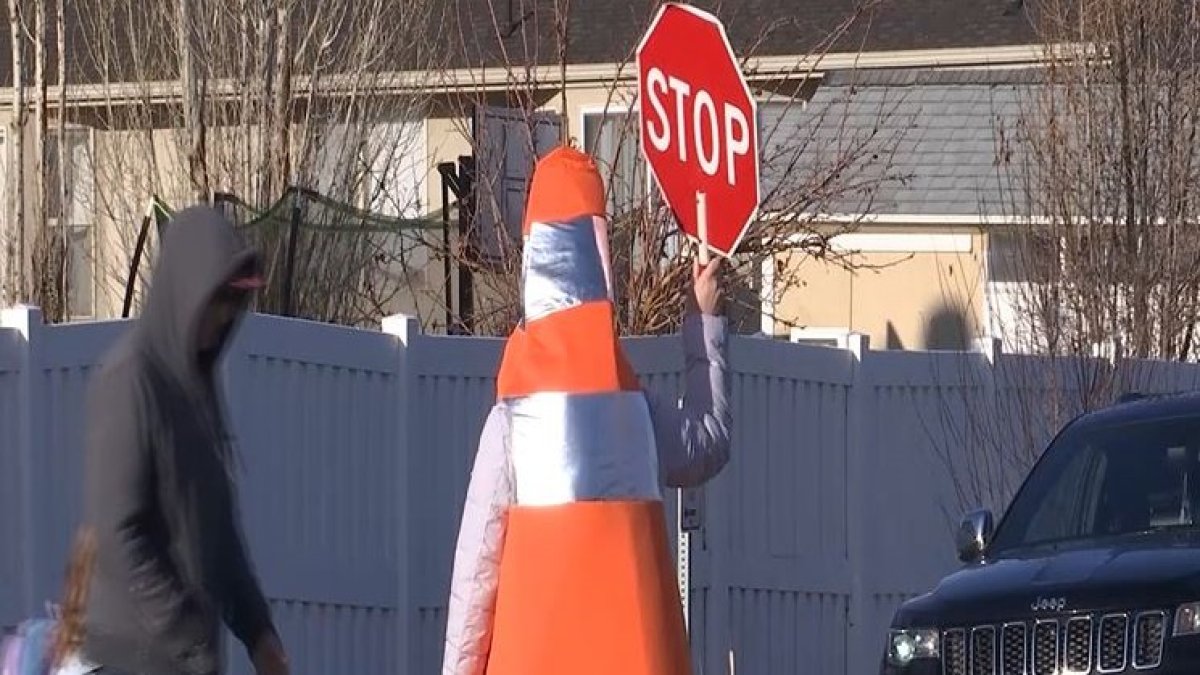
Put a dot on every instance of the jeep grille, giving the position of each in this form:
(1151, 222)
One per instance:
(1101, 643)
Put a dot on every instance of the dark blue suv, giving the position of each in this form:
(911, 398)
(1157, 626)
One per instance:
(1094, 568)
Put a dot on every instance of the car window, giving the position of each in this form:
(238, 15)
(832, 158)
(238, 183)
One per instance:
(1109, 481)
(1065, 513)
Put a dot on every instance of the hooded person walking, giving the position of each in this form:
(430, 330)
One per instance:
(169, 560)
(562, 564)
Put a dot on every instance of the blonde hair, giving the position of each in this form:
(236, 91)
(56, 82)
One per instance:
(68, 634)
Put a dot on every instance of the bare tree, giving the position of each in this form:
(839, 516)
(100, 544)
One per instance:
(254, 96)
(190, 84)
(60, 32)
(1094, 259)
(60, 166)
(651, 260)
(15, 283)
(1102, 168)
(299, 113)
(40, 120)
(48, 257)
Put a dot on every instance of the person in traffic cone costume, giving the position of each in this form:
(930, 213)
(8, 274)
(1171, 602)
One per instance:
(562, 565)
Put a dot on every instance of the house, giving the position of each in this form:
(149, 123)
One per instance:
(919, 265)
(936, 75)
(929, 259)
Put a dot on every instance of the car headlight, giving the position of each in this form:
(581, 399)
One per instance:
(905, 645)
(1187, 619)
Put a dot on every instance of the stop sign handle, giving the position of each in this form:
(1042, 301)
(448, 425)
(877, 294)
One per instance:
(702, 226)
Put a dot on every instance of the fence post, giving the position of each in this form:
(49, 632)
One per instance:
(290, 261)
(991, 391)
(861, 654)
(713, 626)
(27, 321)
(406, 329)
(990, 347)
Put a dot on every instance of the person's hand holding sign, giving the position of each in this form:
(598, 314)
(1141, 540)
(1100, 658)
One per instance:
(706, 295)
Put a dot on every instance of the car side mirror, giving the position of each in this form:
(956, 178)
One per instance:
(974, 533)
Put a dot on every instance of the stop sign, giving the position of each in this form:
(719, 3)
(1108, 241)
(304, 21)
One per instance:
(699, 124)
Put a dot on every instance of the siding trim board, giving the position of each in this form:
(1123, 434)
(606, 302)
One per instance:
(756, 69)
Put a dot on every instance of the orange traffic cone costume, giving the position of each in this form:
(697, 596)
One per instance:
(583, 581)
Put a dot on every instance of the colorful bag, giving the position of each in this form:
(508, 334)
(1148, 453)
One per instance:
(26, 651)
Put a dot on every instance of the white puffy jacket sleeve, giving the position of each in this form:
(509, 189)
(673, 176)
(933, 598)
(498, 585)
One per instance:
(693, 435)
(477, 556)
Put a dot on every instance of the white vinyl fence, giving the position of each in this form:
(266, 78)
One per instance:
(850, 467)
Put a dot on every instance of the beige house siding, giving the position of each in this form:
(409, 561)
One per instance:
(124, 189)
(448, 137)
(915, 299)
(915, 288)
(898, 304)
(105, 199)
(449, 130)
(126, 182)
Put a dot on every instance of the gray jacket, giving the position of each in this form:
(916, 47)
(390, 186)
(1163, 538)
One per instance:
(170, 561)
(693, 446)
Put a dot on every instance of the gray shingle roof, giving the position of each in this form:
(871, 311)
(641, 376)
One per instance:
(516, 32)
(609, 30)
(929, 142)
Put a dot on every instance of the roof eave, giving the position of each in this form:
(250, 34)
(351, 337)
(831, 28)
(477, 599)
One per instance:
(491, 79)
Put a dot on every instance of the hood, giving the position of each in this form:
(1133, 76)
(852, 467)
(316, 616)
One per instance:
(201, 252)
(1140, 572)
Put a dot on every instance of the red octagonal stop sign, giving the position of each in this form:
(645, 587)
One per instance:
(699, 124)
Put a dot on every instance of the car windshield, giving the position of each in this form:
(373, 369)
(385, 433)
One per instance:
(1107, 481)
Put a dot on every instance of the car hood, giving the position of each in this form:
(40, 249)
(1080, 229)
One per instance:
(1137, 573)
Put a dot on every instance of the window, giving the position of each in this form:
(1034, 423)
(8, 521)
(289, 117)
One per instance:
(1013, 257)
(611, 137)
(508, 142)
(3, 177)
(336, 161)
(1021, 267)
(70, 213)
(838, 338)
(1115, 480)
(395, 155)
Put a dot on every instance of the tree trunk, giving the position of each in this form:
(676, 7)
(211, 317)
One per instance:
(40, 123)
(562, 11)
(44, 265)
(281, 166)
(193, 117)
(60, 30)
(15, 246)
(248, 118)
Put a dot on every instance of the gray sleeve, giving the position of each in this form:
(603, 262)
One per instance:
(476, 574)
(244, 607)
(119, 489)
(693, 438)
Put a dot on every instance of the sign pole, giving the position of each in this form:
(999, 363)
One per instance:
(721, 115)
(683, 561)
(683, 558)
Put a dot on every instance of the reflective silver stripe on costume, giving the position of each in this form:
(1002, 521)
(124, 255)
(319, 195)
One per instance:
(583, 447)
(561, 267)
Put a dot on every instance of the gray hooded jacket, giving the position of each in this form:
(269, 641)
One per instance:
(159, 494)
